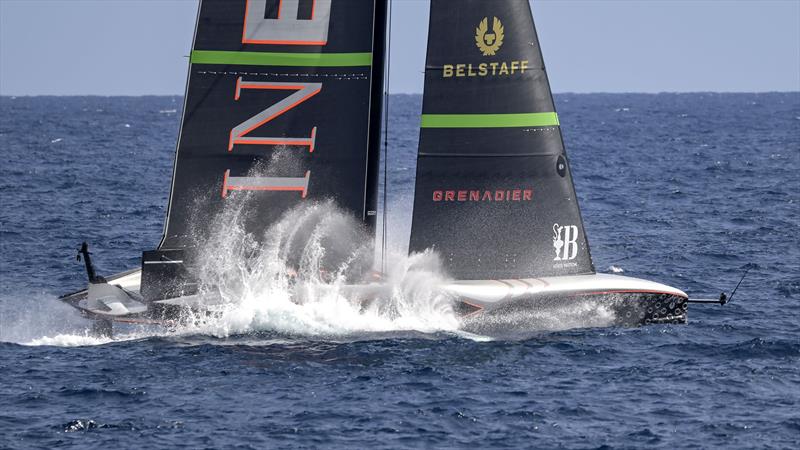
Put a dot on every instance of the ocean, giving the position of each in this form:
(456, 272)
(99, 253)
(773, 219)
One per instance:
(684, 189)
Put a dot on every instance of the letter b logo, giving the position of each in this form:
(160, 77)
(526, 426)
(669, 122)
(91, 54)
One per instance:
(565, 242)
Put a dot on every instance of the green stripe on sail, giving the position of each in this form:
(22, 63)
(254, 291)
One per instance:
(543, 119)
(281, 59)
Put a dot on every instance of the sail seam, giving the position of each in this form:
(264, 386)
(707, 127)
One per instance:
(281, 59)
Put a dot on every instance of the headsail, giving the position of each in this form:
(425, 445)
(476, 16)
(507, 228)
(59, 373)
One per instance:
(283, 99)
(494, 193)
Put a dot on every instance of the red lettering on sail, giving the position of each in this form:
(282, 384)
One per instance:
(299, 184)
(304, 91)
(473, 195)
(239, 135)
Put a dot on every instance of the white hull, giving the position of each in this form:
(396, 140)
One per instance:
(636, 301)
(487, 293)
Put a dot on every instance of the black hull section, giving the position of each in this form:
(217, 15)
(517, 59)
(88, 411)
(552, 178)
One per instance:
(574, 310)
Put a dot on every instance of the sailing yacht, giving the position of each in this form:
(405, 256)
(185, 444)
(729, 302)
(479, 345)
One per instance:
(494, 195)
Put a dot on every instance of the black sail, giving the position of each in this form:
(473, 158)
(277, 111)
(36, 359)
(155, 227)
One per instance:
(283, 101)
(283, 105)
(494, 194)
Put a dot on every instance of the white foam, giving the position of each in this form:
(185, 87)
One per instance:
(69, 340)
(327, 250)
(40, 319)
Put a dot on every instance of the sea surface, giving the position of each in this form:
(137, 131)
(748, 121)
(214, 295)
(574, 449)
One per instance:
(685, 189)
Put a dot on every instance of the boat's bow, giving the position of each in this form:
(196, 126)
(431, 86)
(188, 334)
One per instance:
(633, 301)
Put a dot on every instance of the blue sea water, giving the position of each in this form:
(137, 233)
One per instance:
(686, 189)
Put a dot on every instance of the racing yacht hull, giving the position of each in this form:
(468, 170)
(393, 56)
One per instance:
(633, 301)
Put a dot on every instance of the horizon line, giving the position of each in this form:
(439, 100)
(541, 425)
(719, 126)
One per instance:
(3, 95)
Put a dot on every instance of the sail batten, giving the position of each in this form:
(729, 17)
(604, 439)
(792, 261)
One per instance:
(494, 194)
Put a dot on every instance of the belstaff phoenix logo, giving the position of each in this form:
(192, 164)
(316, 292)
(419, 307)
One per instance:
(565, 242)
(489, 43)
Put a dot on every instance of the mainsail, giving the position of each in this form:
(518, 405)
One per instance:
(283, 104)
(283, 101)
(494, 194)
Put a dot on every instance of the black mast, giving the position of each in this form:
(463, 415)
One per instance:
(376, 112)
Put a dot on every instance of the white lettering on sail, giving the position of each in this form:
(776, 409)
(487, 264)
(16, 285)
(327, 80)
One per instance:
(304, 91)
(566, 246)
(299, 184)
(286, 29)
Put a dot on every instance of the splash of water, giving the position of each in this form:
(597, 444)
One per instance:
(39, 319)
(310, 274)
